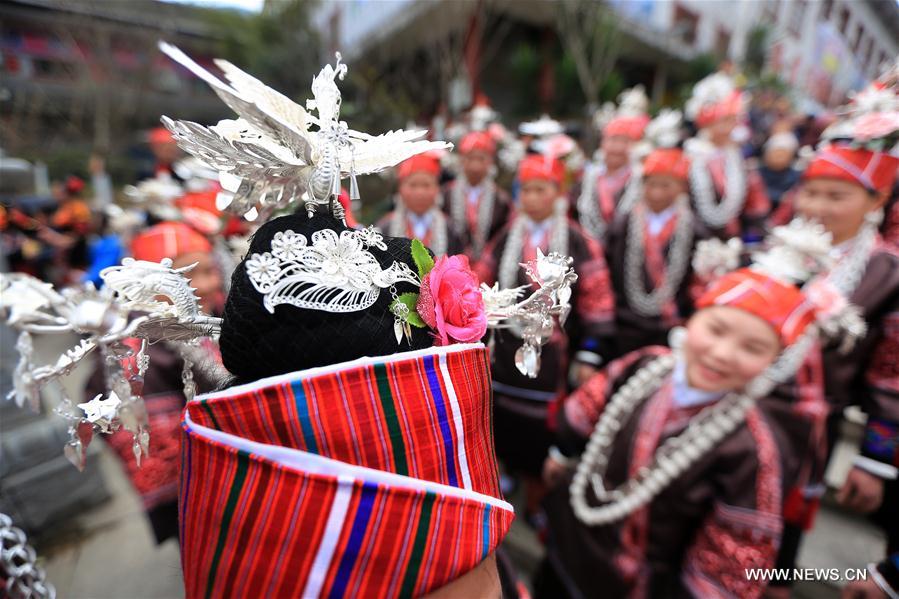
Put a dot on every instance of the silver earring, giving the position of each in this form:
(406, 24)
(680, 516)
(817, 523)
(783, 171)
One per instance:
(874, 217)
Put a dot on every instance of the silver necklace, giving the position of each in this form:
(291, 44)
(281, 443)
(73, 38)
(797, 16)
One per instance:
(633, 191)
(398, 225)
(717, 215)
(589, 214)
(458, 203)
(650, 304)
(676, 454)
(848, 272)
(511, 258)
(19, 562)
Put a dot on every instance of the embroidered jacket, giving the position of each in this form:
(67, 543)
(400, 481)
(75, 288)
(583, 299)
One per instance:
(756, 205)
(635, 330)
(454, 244)
(473, 233)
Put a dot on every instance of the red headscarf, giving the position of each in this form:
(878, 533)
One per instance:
(420, 163)
(540, 167)
(631, 127)
(74, 185)
(782, 305)
(875, 171)
(199, 211)
(730, 106)
(477, 141)
(667, 161)
(168, 240)
(160, 135)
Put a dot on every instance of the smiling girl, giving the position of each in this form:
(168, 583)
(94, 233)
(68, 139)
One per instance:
(683, 462)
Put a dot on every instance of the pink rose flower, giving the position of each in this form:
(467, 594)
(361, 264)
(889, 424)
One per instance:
(450, 302)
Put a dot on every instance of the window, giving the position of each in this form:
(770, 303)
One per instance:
(51, 69)
(686, 23)
(796, 13)
(859, 37)
(865, 56)
(843, 21)
(722, 42)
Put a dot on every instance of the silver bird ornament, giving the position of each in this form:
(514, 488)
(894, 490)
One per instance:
(277, 152)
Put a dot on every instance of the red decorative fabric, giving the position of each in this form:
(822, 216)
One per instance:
(631, 127)
(731, 541)
(539, 167)
(782, 305)
(875, 171)
(608, 186)
(631, 562)
(160, 135)
(667, 161)
(731, 106)
(376, 478)
(480, 141)
(156, 479)
(420, 163)
(654, 247)
(168, 240)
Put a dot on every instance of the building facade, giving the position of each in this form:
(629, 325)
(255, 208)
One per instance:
(823, 48)
(88, 72)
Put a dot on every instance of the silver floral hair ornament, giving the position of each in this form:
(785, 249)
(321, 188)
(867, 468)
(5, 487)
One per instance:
(334, 273)
(271, 155)
(533, 318)
(128, 307)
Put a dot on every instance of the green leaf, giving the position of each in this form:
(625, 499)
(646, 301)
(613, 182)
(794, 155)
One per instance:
(422, 258)
(410, 300)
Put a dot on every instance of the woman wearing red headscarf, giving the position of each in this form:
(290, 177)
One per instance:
(417, 214)
(650, 246)
(606, 177)
(522, 403)
(477, 207)
(678, 488)
(728, 197)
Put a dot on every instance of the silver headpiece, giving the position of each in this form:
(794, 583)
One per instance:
(271, 155)
(128, 306)
(533, 317)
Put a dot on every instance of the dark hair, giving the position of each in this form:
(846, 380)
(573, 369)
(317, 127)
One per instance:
(256, 343)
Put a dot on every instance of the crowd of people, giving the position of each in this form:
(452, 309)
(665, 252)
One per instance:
(646, 459)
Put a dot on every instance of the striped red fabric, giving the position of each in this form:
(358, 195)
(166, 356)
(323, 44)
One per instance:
(375, 478)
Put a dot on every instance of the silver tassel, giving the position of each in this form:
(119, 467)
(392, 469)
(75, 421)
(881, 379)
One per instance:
(354, 187)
